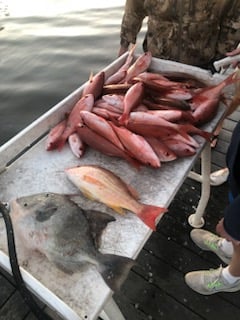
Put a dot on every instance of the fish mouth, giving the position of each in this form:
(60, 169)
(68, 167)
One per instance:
(4, 206)
(14, 207)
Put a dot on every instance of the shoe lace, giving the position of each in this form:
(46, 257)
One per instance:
(217, 282)
(212, 245)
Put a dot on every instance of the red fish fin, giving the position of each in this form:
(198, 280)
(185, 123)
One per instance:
(90, 77)
(123, 119)
(184, 133)
(133, 162)
(150, 213)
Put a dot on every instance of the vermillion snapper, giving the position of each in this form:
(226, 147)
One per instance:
(103, 185)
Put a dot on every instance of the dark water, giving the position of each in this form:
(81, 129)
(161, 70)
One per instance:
(44, 58)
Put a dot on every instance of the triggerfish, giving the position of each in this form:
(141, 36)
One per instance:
(68, 236)
(100, 184)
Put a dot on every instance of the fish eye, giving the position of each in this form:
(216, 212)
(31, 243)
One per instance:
(25, 204)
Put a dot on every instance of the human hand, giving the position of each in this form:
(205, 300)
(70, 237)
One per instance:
(122, 50)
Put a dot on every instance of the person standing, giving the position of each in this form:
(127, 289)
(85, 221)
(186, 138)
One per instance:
(227, 245)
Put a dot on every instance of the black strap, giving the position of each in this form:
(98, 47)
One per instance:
(26, 294)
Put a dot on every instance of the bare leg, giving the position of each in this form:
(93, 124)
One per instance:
(234, 266)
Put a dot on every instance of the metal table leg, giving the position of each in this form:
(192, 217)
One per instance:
(196, 219)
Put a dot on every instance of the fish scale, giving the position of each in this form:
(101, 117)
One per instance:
(108, 188)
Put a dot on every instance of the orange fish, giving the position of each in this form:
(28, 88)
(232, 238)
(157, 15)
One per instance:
(100, 184)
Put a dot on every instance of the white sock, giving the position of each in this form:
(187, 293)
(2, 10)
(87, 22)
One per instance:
(227, 276)
(227, 247)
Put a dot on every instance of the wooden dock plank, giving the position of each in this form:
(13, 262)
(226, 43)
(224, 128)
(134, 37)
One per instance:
(14, 308)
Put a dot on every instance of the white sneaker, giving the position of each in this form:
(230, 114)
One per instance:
(209, 242)
(219, 177)
(210, 281)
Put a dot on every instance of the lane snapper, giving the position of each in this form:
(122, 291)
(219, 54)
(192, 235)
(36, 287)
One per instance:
(102, 185)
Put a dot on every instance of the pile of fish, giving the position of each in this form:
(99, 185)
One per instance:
(67, 235)
(143, 117)
(101, 184)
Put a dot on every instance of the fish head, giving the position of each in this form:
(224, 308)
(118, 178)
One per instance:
(33, 216)
(35, 205)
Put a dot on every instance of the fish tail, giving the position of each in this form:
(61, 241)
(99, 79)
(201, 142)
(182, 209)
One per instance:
(206, 135)
(195, 130)
(115, 269)
(183, 132)
(63, 139)
(232, 78)
(150, 213)
(132, 161)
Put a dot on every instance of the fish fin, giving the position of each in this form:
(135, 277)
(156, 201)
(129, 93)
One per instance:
(115, 269)
(97, 221)
(88, 195)
(45, 212)
(60, 143)
(133, 162)
(90, 76)
(117, 209)
(206, 135)
(62, 267)
(150, 213)
(123, 119)
(184, 133)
